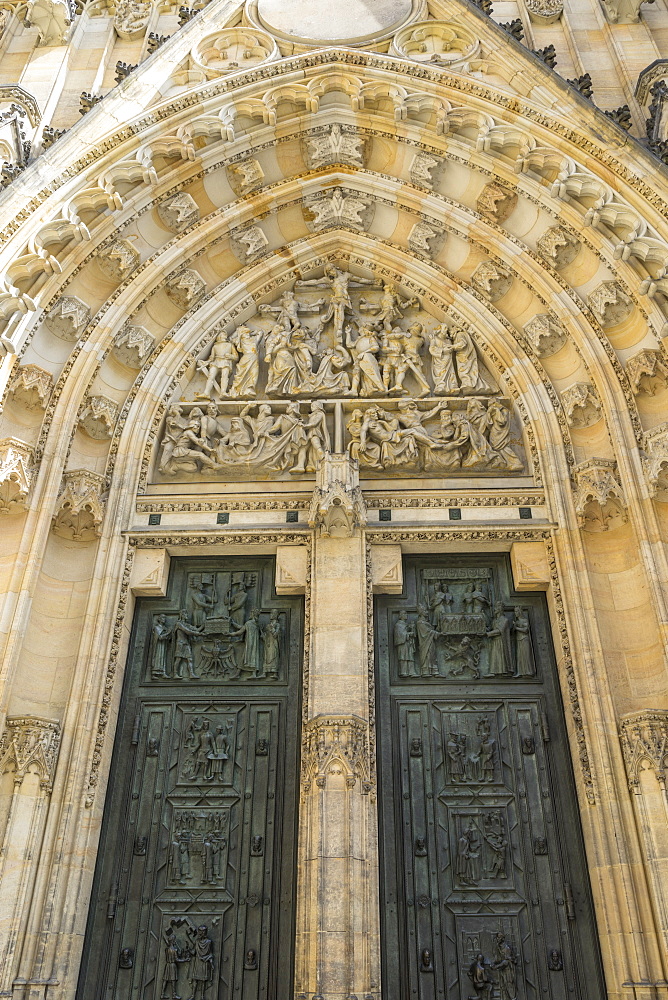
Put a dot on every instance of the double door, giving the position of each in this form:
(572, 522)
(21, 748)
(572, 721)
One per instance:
(484, 884)
(195, 885)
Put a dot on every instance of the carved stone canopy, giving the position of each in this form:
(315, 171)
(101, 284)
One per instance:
(336, 747)
(68, 317)
(493, 280)
(647, 372)
(545, 334)
(610, 304)
(655, 461)
(30, 744)
(32, 385)
(133, 345)
(496, 201)
(644, 739)
(79, 508)
(558, 247)
(185, 288)
(118, 260)
(98, 417)
(337, 507)
(599, 499)
(178, 212)
(16, 471)
(582, 405)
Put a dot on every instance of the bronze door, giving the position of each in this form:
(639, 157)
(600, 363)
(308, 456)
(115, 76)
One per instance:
(194, 888)
(484, 882)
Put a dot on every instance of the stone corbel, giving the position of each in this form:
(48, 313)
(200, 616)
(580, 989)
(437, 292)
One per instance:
(16, 471)
(599, 499)
(492, 280)
(80, 506)
(337, 506)
(530, 566)
(387, 572)
(647, 372)
(610, 304)
(655, 461)
(68, 318)
(582, 405)
(336, 746)
(185, 288)
(623, 11)
(32, 386)
(98, 417)
(545, 334)
(150, 571)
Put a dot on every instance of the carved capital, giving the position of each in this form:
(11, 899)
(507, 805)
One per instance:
(185, 288)
(98, 417)
(132, 345)
(558, 247)
(16, 471)
(655, 461)
(647, 372)
(644, 739)
(178, 212)
(119, 259)
(79, 508)
(32, 386)
(599, 499)
(496, 201)
(492, 280)
(582, 405)
(545, 334)
(337, 507)
(68, 317)
(29, 743)
(610, 304)
(336, 746)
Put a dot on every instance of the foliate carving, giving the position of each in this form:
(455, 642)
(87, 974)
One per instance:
(623, 11)
(496, 201)
(16, 464)
(185, 288)
(79, 508)
(644, 739)
(599, 499)
(68, 317)
(544, 11)
(582, 405)
(339, 208)
(133, 345)
(655, 460)
(492, 280)
(426, 239)
(336, 746)
(610, 304)
(424, 170)
(245, 176)
(558, 246)
(30, 744)
(119, 259)
(249, 242)
(337, 507)
(32, 386)
(178, 212)
(647, 372)
(545, 334)
(335, 144)
(131, 18)
(98, 417)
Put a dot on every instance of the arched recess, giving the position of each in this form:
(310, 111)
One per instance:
(456, 190)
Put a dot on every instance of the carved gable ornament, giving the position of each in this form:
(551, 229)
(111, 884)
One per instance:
(345, 364)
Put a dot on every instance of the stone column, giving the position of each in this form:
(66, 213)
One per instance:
(338, 913)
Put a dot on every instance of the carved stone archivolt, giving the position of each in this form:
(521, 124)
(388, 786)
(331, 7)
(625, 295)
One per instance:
(647, 372)
(336, 746)
(599, 500)
(644, 739)
(30, 744)
(582, 405)
(31, 386)
(16, 471)
(80, 507)
(68, 317)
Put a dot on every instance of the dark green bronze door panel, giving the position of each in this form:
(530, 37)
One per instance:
(201, 815)
(482, 851)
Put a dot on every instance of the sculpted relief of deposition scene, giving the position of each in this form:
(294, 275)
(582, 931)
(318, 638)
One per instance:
(341, 363)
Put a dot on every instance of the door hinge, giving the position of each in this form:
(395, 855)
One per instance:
(111, 902)
(568, 899)
(544, 727)
(135, 730)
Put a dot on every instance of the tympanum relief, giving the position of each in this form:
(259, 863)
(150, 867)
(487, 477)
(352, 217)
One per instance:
(341, 362)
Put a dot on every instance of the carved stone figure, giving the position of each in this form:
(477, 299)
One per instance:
(426, 639)
(247, 342)
(367, 379)
(201, 963)
(466, 361)
(271, 635)
(505, 966)
(389, 307)
(404, 643)
(479, 976)
(218, 367)
(184, 449)
(443, 371)
(288, 308)
(251, 661)
(524, 658)
(499, 645)
(183, 651)
(161, 634)
(338, 282)
(498, 425)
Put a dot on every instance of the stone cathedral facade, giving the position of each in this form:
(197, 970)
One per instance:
(333, 500)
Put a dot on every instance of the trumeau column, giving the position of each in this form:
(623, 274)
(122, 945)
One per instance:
(338, 915)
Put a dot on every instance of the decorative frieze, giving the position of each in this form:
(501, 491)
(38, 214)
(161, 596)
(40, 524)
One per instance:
(558, 247)
(119, 259)
(644, 739)
(68, 317)
(98, 417)
(655, 461)
(582, 405)
(178, 212)
(496, 202)
(545, 334)
(79, 508)
(31, 385)
(610, 304)
(16, 471)
(335, 144)
(492, 280)
(185, 288)
(337, 508)
(132, 345)
(647, 372)
(599, 499)
(30, 744)
(336, 745)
